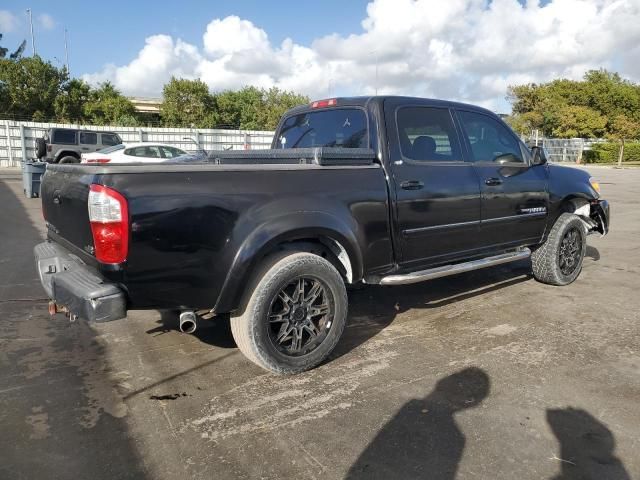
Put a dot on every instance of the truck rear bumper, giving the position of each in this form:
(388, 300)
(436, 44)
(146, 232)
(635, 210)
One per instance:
(72, 284)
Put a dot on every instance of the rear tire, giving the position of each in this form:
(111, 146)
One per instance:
(69, 159)
(558, 261)
(295, 313)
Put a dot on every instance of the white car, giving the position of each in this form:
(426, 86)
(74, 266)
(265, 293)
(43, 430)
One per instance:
(133, 153)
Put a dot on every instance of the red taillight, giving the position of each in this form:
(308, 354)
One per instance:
(324, 103)
(49, 148)
(109, 218)
(97, 160)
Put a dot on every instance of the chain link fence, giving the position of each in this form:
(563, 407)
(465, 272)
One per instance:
(565, 150)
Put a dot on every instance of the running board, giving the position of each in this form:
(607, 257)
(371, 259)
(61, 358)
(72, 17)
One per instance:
(446, 270)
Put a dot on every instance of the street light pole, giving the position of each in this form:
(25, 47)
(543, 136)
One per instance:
(33, 38)
(66, 50)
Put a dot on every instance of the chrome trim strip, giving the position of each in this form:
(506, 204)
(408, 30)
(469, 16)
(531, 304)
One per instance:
(447, 270)
(414, 231)
(515, 217)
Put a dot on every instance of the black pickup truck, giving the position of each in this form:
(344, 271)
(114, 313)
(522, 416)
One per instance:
(375, 190)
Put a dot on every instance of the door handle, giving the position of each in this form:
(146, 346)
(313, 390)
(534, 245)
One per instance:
(411, 185)
(492, 182)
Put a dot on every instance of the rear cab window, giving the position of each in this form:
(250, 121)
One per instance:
(64, 137)
(337, 127)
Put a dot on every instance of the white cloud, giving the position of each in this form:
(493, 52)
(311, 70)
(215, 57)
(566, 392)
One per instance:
(468, 50)
(46, 21)
(8, 21)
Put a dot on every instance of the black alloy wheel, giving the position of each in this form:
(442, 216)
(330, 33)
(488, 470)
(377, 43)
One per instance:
(300, 316)
(570, 253)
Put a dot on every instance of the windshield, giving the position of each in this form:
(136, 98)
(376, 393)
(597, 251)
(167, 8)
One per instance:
(114, 148)
(338, 127)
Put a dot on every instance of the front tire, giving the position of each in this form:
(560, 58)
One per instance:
(558, 261)
(295, 313)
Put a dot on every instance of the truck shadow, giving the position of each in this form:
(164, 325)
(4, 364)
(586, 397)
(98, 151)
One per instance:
(373, 308)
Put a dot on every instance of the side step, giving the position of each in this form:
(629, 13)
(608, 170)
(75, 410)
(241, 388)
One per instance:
(446, 270)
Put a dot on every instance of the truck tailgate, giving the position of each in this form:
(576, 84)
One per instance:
(64, 196)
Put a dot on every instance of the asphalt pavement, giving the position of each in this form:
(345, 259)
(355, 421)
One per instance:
(484, 375)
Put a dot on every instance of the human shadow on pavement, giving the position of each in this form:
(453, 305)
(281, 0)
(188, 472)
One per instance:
(423, 440)
(586, 447)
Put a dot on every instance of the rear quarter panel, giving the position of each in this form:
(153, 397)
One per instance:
(194, 231)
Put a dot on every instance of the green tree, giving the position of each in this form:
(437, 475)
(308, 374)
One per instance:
(553, 105)
(70, 103)
(252, 108)
(577, 121)
(186, 103)
(276, 103)
(622, 129)
(107, 106)
(30, 88)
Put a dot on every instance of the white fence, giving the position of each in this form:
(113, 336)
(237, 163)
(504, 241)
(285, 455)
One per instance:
(17, 139)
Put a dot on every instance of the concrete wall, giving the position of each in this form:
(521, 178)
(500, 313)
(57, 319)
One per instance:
(17, 139)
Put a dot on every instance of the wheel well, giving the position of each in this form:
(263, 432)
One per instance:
(324, 247)
(572, 203)
(67, 153)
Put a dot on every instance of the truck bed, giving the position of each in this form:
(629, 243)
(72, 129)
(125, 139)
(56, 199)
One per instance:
(191, 223)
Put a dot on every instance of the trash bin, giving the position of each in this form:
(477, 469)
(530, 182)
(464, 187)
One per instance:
(31, 176)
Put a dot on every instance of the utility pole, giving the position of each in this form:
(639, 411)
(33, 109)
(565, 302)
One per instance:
(66, 50)
(33, 38)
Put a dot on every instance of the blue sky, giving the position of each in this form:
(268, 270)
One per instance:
(465, 50)
(112, 32)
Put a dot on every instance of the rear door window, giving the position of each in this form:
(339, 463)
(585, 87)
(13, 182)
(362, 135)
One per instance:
(110, 139)
(151, 151)
(170, 152)
(88, 138)
(427, 134)
(64, 137)
(338, 127)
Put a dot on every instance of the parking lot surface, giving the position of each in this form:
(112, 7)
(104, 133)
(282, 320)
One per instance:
(482, 375)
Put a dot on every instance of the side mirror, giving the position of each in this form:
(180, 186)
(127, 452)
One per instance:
(539, 155)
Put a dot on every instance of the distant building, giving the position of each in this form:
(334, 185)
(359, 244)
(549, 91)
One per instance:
(146, 105)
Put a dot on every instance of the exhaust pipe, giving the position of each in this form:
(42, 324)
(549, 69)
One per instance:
(188, 323)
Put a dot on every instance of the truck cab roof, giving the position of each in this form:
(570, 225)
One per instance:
(364, 101)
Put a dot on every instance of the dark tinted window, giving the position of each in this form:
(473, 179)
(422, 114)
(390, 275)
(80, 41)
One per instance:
(428, 135)
(147, 151)
(110, 139)
(338, 127)
(66, 137)
(88, 138)
(490, 140)
(170, 152)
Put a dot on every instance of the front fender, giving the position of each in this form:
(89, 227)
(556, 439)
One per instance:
(257, 242)
(565, 184)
